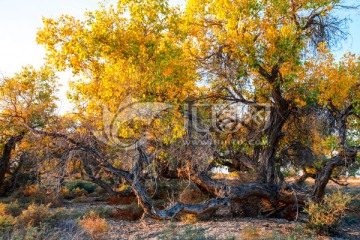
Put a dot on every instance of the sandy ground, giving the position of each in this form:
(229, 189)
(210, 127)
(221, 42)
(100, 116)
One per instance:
(224, 226)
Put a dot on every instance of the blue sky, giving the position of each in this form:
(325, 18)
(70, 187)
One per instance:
(20, 19)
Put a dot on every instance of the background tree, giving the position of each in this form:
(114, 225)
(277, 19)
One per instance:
(27, 100)
(254, 54)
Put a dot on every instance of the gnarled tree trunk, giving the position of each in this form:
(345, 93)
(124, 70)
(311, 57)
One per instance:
(6, 156)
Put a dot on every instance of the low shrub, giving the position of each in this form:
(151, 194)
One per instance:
(326, 215)
(34, 193)
(34, 215)
(6, 223)
(82, 185)
(65, 192)
(6, 219)
(13, 209)
(73, 193)
(69, 231)
(79, 191)
(38, 222)
(94, 224)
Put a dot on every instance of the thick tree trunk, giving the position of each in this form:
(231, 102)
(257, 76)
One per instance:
(346, 155)
(325, 175)
(241, 192)
(279, 113)
(10, 183)
(6, 156)
(267, 152)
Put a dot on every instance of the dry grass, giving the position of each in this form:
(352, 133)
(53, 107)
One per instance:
(94, 225)
(251, 232)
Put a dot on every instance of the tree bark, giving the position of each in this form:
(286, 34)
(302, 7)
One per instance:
(328, 168)
(279, 113)
(6, 156)
(346, 155)
(267, 152)
(10, 183)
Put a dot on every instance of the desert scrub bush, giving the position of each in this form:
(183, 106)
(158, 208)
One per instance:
(34, 193)
(79, 191)
(6, 224)
(326, 215)
(74, 193)
(94, 224)
(82, 185)
(193, 218)
(34, 216)
(13, 209)
(37, 222)
(6, 220)
(47, 198)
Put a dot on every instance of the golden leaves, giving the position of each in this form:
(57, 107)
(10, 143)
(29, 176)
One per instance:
(140, 55)
(337, 81)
